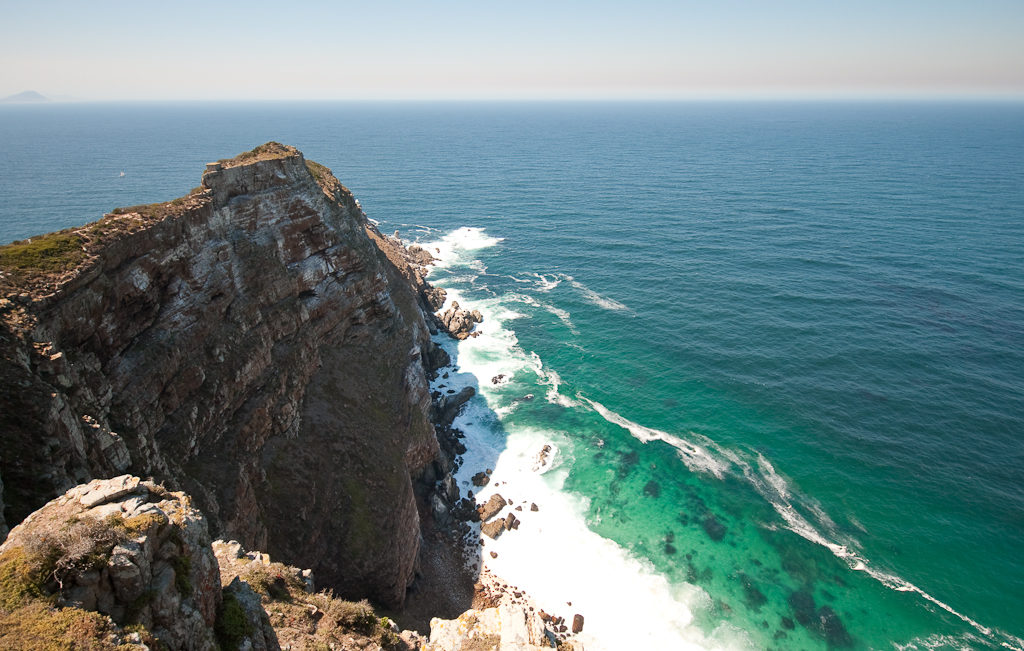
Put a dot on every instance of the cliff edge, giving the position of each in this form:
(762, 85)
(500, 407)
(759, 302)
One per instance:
(251, 343)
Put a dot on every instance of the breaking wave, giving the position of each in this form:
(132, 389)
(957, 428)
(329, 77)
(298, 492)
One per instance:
(696, 458)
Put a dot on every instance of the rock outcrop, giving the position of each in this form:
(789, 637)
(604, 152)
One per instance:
(512, 622)
(124, 548)
(124, 564)
(447, 407)
(460, 322)
(277, 607)
(257, 343)
(260, 345)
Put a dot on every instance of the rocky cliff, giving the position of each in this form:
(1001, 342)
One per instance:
(256, 343)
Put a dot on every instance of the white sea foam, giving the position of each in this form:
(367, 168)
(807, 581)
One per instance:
(547, 283)
(541, 282)
(553, 554)
(595, 298)
(559, 313)
(696, 457)
(454, 247)
(552, 380)
(965, 642)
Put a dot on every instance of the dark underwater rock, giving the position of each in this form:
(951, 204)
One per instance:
(752, 594)
(802, 604)
(713, 528)
(832, 628)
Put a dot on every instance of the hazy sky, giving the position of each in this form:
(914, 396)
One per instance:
(521, 49)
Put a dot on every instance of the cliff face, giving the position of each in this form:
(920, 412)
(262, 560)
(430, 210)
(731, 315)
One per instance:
(251, 343)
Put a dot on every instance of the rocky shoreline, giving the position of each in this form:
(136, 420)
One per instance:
(461, 521)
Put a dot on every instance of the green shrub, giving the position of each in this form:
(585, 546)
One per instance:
(319, 172)
(276, 581)
(50, 253)
(23, 577)
(354, 615)
(182, 574)
(232, 626)
(37, 626)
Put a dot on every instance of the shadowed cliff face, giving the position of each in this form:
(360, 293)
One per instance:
(250, 343)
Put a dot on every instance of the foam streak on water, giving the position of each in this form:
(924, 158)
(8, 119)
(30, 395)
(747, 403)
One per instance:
(777, 492)
(595, 298)
(696, 458)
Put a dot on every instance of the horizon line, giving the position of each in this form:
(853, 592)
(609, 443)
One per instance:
(806, 98)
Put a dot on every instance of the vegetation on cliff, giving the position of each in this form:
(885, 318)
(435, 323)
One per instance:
(55, 252)
(99, 568)
(267, 151)
(259, 594)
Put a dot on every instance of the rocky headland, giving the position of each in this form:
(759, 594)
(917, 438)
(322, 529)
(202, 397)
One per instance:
(260, 352)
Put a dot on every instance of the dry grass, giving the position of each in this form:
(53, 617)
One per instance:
(266, 151)
(308, 620)
(40, 627)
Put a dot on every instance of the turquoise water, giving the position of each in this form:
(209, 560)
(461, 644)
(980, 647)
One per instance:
(813, 313)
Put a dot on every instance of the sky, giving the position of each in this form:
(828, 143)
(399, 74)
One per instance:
(552, 49)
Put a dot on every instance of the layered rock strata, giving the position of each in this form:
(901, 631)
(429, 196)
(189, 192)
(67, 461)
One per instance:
(257, 343)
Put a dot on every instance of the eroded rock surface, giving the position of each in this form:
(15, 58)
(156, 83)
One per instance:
(512, 623)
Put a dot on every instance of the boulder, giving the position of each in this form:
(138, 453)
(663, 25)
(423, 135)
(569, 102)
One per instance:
(459, 322)
(435, 357)
(493, 529)
(511, 522)
(435, 297)
(489, 509)
(447, 407)
(419, 255)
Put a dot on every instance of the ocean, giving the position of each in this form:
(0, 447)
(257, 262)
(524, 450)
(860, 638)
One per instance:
(776, 349)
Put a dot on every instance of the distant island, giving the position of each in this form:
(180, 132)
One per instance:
(25, 97)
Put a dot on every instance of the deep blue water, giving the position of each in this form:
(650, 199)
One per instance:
(826, 298)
